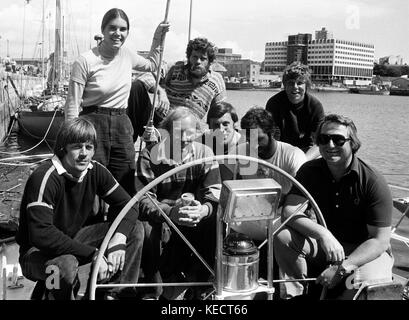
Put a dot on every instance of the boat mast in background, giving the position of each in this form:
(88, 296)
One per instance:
(190, 20)
(42, 47)
(57, 49)
(22, 45)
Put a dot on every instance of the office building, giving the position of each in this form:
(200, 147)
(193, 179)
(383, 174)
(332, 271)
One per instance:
(330, 59)
(323, 34)
(226, 54)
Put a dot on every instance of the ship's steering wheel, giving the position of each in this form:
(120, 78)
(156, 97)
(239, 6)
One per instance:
(138, 195)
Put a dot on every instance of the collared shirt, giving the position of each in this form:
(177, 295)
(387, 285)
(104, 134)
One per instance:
(202, 180)
(62, 171)
(55, 206)
(360, 198)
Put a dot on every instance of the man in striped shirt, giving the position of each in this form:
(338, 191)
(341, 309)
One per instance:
(58, 230)
(191, 84)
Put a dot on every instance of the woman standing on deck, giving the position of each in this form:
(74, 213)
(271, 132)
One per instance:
(100, 84)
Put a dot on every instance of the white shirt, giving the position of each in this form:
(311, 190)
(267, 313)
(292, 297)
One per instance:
(288, 158)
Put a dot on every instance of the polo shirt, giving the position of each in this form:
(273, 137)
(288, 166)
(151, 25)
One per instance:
(361, 197)
(56, 205)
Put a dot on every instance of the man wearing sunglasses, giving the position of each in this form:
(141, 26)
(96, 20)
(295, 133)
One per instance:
(356, 204)
(295, 111)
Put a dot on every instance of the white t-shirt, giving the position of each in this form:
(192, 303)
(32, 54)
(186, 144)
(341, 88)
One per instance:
(288, 158)
(107, 82)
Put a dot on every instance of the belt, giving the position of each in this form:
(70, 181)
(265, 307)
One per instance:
(96, 109)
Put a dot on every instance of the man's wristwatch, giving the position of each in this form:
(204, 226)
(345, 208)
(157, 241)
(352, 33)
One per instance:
(341, 271)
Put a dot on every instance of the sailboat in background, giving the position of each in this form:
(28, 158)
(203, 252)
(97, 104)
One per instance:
(39, 117)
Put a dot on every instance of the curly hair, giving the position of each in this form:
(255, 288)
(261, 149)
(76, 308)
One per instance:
(260, 117)
(297, 70)
(201, 45)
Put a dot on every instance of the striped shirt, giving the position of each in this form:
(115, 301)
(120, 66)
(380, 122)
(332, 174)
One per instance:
(55, 206)
(182, 92)
(202, 180)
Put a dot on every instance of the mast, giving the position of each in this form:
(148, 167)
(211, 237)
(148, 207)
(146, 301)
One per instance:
(190, 20)
(63, 49)
(22, 45)
(42, 46)
(57, 47)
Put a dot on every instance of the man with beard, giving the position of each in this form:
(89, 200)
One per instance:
(191, 84)
(295, 111)
(260, 131)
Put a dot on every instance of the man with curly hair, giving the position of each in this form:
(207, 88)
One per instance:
(296, 112)
(190, 83)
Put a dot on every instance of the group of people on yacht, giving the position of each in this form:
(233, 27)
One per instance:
(70, 201)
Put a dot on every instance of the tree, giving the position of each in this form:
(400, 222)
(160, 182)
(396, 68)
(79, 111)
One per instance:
(405, 70)
(388, 71)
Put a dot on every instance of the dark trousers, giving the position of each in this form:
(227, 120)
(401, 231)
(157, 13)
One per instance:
(152, 250)
(178, 257)
(35, 262)
(139, 109)
(175, 257)
(115, 148)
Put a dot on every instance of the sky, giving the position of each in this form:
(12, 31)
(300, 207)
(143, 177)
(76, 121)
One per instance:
(244, 26)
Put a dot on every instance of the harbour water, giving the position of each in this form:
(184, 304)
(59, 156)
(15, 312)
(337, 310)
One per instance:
(382, 123)
(383, 128)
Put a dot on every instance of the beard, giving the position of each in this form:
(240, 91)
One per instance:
(197, 72)
(265, 152)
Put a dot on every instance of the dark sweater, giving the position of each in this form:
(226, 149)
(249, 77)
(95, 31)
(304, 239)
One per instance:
(297, 123)
(55, 207)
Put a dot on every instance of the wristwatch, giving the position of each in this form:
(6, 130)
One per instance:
(341, 271)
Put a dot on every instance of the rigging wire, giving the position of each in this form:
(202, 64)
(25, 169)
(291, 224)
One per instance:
(147, 135)
(33, 156)
(73, 36)
(23, 164)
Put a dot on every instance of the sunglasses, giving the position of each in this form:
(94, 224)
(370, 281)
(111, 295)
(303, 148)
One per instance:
(338, 139)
